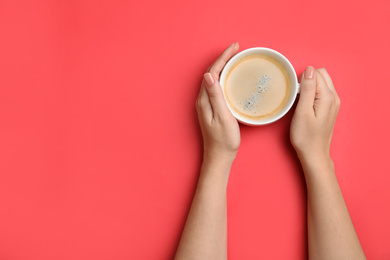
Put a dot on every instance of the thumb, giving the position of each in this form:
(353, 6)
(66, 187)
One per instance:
(308, 89)
(214, 91)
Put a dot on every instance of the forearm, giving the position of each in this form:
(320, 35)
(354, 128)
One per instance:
(205, 232)
(331, 234)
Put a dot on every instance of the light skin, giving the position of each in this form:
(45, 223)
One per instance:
(331, 234)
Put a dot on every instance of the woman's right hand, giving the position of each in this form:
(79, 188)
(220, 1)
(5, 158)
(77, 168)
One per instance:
(315, 116)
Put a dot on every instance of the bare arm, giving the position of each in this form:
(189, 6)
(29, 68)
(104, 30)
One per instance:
(331, 234)
(205, 232)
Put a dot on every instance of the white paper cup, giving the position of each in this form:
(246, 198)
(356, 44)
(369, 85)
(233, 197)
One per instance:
(291, 75)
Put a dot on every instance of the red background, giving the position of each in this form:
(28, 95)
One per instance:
(100, 147)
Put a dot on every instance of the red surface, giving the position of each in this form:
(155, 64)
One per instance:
(99, 142)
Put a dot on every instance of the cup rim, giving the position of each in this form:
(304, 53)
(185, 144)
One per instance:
(290, 70)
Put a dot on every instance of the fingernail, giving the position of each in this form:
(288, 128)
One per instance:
(234, 45)
(309, 72)
(208, 79)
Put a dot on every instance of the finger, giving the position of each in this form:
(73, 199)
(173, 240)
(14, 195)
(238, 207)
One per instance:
(228, 48)
(203, 105)
(217, 100)
(325, 103)
(324, 96)
(322, 87)
(308, 89)
(324, 73)
(218, 65)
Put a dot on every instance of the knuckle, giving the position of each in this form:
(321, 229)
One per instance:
(338, 102)
(222, 118)
(214, 73)
(332, 98)
(308, 83)
(322, 70)
(214, 93)
(199, 103)
(308, 86)
(328, 97)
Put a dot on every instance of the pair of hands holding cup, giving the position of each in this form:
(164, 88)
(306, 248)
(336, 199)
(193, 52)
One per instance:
(331, 234)
(311, 126)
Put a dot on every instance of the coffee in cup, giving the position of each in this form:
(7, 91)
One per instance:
(259, 85)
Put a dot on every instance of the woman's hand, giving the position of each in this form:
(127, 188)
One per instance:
(315, 116)
(205, 233)
(220, 130)
(331, 234)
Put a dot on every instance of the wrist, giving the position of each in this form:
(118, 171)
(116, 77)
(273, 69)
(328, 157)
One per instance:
(216, 169)
(222, 156)
(314, 158)
(317, 164)
(316, 161)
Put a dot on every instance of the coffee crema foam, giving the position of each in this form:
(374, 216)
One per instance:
(257, 87)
